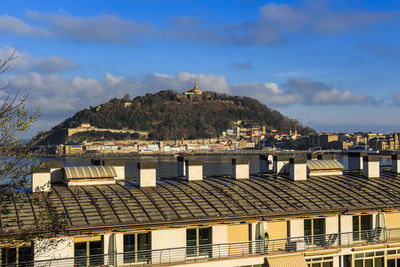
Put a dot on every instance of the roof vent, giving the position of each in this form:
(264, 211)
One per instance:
(324, 167)
(297, 169)
(355, 160)
(396, 163)
(266, 163)
(371, 166)
(147, 174)
(180, 164)
(281, 164)
(193, 169)
(240, 168)
(89, 175)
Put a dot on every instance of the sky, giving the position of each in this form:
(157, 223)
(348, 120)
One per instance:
(332, 65)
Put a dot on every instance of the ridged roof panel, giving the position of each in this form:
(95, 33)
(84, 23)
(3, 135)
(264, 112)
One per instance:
(176, 200)
(89, 172)
(328, 164)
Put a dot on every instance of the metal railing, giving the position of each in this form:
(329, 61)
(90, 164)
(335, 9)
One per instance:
(227, 250)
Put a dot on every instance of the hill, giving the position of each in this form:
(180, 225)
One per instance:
(167, 115)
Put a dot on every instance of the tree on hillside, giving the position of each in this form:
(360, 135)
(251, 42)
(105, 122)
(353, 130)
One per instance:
(16, 162)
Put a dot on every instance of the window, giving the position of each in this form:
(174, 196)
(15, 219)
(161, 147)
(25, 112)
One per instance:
(197, 240)
(13, 256)
(89, 253)
(136, 247)
(393, 258)
(320, 262)
(313, 231)
(361, 225)
(370, 259)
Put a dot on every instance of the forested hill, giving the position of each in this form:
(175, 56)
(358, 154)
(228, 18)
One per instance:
(167, 115)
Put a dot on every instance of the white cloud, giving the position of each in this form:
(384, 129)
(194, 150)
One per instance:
(273, 25)
(299, 91)
(23, 62)
(14, 25)
(59, 97)
(101, 28)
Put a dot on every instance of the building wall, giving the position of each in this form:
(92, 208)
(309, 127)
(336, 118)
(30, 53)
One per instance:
(296, 228)
(277, 230)
(168, 238)
(331, 225)
(392, 220)
(48, 249)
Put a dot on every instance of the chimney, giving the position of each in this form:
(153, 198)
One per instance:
(240, 168)
(355, 160)
(181, 170)
(371, 166)
(147, 174)
(298, 169)
(41, 179)
(281, 164)
(193, 169)
(42, 176)
(264, 164)
(396, 163)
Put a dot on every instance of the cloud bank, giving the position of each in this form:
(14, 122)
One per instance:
(24, 62)
(273, 25)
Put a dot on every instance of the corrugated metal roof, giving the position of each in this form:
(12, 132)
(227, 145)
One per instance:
(175, 200)
(328, 164)
(287, 261)
(90, 172)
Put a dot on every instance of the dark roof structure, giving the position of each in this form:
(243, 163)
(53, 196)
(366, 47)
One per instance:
(176, 201)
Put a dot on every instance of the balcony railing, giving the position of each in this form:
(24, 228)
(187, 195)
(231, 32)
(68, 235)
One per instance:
(229, 250)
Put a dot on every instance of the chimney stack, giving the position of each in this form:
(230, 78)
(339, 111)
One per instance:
(42, 176)
(41, 179)
(298, 169)
(355, 160)
(396, 163)
(371, 166)
(264, 163)
(240, 168)
(147, 174)
(181, 169)
(281, 164)
(193, 169)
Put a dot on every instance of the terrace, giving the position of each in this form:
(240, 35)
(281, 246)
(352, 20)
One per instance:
(213, 252)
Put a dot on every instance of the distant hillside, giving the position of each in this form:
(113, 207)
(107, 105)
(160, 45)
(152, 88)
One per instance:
(167, 115)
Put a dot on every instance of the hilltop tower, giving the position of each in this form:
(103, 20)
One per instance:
(194, 91)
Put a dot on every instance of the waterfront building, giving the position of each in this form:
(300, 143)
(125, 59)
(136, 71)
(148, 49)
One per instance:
(304, 213)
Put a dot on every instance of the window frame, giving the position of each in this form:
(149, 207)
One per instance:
(17, 253)
(358, 232)
(137, 258)
(198, 251)
(311, 239)
(89, 257)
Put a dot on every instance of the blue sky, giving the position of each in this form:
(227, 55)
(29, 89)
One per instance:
(333, 65)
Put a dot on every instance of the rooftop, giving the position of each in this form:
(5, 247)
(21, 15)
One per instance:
(176, 201)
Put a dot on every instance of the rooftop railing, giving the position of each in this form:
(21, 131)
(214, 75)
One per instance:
(228, 250)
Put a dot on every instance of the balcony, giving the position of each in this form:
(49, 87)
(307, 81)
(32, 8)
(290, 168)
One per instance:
(232, 250)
